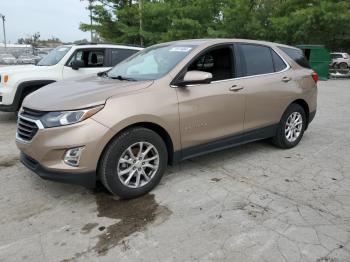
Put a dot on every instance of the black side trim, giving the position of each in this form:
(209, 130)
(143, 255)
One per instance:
(87, 179)
(21, 91)
(224, 143)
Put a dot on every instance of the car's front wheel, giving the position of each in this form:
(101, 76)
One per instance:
(291, 127)
(133, 163)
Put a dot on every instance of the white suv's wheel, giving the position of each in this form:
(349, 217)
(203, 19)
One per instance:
(343, 65)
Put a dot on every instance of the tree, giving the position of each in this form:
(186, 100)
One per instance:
(286, 21)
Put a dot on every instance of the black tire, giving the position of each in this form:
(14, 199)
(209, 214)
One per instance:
(280, 140)
(343, 65)
(108, 167)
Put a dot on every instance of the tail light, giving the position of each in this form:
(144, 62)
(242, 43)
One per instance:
(314, 77)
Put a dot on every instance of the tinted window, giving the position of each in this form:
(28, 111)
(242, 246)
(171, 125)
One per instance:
(257, 59)
(297, 55)
(278, 62)
(218, 62)
(119, 55)
(335, 56)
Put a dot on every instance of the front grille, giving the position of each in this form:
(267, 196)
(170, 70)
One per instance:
(26, 129)
(27, 124)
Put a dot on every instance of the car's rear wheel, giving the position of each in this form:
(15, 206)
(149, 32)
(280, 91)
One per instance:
(133, 163)
(291, 127)
(343, 65)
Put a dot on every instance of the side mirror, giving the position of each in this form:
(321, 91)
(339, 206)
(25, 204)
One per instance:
(76, 64)
(196, 77)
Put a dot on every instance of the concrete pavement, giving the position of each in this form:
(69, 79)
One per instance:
(251, 203)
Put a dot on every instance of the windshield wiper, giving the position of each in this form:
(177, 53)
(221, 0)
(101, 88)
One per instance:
(102, 74)
(122, 78)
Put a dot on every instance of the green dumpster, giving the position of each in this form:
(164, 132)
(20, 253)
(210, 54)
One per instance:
(319, 58)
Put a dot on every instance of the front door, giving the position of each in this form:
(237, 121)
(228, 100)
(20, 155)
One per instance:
(94, 62)
(211, 111)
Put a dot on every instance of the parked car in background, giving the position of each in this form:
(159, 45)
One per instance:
(167, 103)
(340, 60)
(28, 59)
(63, 62)
(7, 59)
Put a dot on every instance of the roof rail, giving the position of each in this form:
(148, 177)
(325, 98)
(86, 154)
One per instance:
(107, 43)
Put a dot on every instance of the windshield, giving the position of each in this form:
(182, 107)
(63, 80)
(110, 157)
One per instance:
(151, 63)
(54, 56)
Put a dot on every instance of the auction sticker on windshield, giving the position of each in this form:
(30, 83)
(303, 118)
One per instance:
(180, 49)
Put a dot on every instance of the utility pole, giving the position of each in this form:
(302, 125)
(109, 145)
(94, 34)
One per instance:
(90, 8)
(141, 22)
(3, 27)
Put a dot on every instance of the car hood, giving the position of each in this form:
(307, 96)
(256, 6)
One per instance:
(81, 92)
(20, 69)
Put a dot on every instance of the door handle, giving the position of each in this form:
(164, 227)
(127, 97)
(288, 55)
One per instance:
(286, 79)
(236, 88)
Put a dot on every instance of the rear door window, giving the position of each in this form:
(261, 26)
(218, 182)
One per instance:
(118, 55)
(297, 55)
(256, 59)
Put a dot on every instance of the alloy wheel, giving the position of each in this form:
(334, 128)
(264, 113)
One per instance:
(138, 164)
(293, 128)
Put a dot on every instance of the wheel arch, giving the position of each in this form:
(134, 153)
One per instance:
(27, 87)
(161, 131)
(306, 108)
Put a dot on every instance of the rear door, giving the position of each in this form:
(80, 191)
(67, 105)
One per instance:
(209, 112)
(94, 61)
(268, 84)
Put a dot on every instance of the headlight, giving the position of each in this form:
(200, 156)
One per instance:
(64, 118)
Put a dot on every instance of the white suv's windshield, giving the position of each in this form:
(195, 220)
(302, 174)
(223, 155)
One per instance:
(54, 56)
(151, 63)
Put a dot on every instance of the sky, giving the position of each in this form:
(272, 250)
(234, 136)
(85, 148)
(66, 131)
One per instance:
(58, 18)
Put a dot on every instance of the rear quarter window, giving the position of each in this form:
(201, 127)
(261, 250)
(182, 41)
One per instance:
(297, 55)
(278, 62)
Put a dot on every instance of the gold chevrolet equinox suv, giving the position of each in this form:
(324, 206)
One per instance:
(166, 103)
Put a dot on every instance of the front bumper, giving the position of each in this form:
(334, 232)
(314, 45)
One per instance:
(8, 108)
(87, 179)
(8, 103)
(44, 154)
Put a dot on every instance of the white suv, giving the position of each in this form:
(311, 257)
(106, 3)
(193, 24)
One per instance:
(340, 60)
(65, 61)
